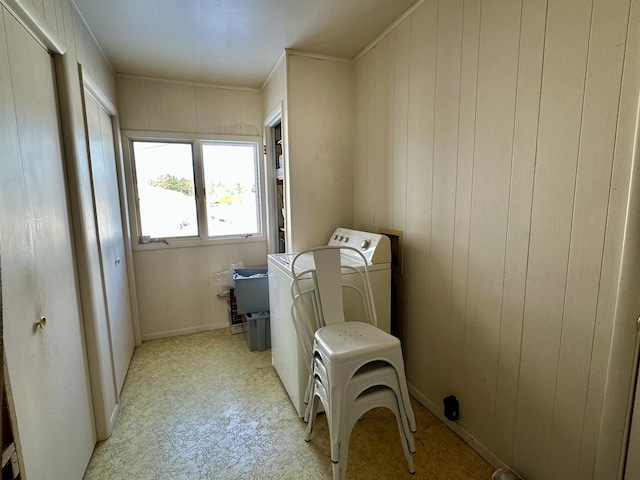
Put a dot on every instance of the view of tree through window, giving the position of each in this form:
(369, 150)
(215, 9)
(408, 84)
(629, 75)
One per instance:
(166, 192)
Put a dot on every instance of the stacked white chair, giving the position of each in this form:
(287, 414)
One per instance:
(353, 365)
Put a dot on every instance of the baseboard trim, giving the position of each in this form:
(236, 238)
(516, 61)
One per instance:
(473, 442)
(184, 331)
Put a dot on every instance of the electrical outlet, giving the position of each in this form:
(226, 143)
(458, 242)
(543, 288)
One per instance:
(451, 408)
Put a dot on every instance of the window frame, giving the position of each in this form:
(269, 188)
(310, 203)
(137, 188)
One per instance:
(197, 141)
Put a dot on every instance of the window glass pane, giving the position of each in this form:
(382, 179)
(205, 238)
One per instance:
(166, 192)
(232, 194)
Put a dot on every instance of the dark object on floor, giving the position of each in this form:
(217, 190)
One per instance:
(451, 408)
(504, 474)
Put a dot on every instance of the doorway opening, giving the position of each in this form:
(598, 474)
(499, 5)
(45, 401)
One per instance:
(275, 165)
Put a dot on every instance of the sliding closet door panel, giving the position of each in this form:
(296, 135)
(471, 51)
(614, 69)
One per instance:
(110, 233)
(46, 366)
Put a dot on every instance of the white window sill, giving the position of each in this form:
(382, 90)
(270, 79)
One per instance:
(195, 242)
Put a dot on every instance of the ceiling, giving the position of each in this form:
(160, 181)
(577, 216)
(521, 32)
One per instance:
(230, 42)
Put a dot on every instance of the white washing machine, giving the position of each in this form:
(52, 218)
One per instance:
(286, 353)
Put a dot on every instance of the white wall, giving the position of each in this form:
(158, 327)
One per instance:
(319, 154)
(274, 91)
(486, 132)
(176, 293)
(163, 106)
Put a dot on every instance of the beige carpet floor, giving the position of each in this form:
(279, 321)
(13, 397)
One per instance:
(203, 406)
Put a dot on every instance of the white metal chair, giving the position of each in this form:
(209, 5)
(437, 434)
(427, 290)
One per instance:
(346, 359)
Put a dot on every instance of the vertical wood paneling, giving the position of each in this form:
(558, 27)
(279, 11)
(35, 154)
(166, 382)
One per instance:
(274, 92)
(84, 45)
(59, 16)
(185, 295)
(176, 290)
(328, 164)
(210, 112)
(49, 15)
(333, 147)
(497, 69)
(152, 296)
(251, 113)
(233, 112)
(532, 28)
(561, 104)
(511, 249)
(134, 112)
(176, 104)
(174, 286)
(153, 102)
(320, 148)
(177, 107)
(362, 189)
(104, 75)
(445, 157)
(465, 142)
(81, 46)
(344, 97)
(615, 366)
(67, 19)
(595, 159)
(302, 149)
(379, 162)
(39, 7)
(398, 160)
(419, 176)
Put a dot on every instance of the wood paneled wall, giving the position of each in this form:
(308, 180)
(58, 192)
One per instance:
(164, 106)
(319, 149)
(60, 21)
(485, 130)
(177, 291)
(274, 90)
(175, 286)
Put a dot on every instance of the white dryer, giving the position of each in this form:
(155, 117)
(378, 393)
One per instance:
(286, 353)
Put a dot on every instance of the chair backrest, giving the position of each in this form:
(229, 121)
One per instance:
(329, 284)
(304, 309)
(317, 289)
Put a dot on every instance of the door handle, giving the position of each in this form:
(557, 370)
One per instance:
(118, 261)
(42, 322)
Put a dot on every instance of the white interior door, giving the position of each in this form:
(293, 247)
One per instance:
(47, 368)
(110, 233)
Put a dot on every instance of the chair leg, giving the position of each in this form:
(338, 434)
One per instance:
(313, 412)
(363, 405)
(405, 444)
(336, 470)
(307, 395)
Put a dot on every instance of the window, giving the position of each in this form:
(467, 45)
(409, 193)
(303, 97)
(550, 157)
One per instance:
(196, 189)
(230, 179)
(166, 189)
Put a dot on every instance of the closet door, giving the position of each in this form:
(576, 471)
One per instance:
(47, 367)
(110, 234)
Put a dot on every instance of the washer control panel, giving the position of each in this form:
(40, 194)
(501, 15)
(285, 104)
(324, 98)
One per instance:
(375, 247)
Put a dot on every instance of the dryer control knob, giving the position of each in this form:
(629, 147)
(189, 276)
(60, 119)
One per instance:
(335, 237)
(365, 244)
